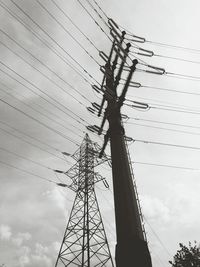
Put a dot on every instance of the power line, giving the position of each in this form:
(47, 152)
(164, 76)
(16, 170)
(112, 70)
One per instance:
(27, 172)
(150, 53)
(22, 157)
(38, 105)
(38, 121)
(98, 14)
(39, 89)
(163, 103)
(158, 238)
(50, 118)
(166, 129)
(165, 166)
(100, 8)
(173, 46)
(162, 122)
(67, 16)
(170, 90)
(166, 144)
(44, 42)
(144, 40)
(165, 107)
(25, 141)
(43, 64)
(28, 88)
(86, 10)
(46, 33)
(54, 18)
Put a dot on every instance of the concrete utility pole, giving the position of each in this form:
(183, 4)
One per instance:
(131, 247)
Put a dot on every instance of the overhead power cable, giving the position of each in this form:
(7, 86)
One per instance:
(42, 114)
(44, 65)
(48, 45)
(165, 107)
(43, 92)
(46, 33)
(101, 9)
(166, 129)
(27, 172)
(158, 238)
(22, 157)
(164, 122)
(67, 16)
(60, 24)
(169, 90)
(28, 142)
(40, 96)
(43, 124)
(86, 10)
(163, 44)
(165, 166)
(49, 112)
(98, 14)
(193, 50)
(166, 144)
(149, 53)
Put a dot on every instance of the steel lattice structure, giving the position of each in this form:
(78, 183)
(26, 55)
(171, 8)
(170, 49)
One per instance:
(85, 243)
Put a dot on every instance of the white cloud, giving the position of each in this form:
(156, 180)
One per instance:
(24, 256)
(58, 197)
(155, 209)
(5, 232)
(20, 238)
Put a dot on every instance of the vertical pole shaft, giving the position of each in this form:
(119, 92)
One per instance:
(131, 248)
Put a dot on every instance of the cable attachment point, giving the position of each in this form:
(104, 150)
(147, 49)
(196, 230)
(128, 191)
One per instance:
(145, 52)
(96, 106)
(140, 105)
(58, 171)
(138, 39)
(103, 56)
(96, 88)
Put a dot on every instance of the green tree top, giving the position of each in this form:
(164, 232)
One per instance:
(187, 256)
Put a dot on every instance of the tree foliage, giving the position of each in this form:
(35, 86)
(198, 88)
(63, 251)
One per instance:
(187, 256)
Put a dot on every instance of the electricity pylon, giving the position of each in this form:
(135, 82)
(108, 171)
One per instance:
(131, 248)
(85, 243)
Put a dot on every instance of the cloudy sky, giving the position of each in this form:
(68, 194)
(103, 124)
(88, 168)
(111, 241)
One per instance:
(43, 112)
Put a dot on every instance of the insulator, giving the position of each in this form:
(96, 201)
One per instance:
(128, 139)
(103, 56)
(91, 110)
(106, 72)
(58, 171)
(105, 183)
(112, 23)
(96, 88)
(90, 128)
(108, 96)
(63, 185)
(135, 84)
(140, 105)
(159, 71)
(108, 90)
(95, 127)
(124, 117)
(66, 154)
(95, 105)
(138, 39)
(147, 53)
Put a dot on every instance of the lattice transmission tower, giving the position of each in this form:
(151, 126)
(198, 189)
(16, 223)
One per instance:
(85, 243)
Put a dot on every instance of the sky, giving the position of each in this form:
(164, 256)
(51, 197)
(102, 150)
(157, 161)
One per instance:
(43, 113)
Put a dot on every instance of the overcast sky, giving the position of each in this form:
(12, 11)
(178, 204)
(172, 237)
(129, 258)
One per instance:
(34, 212)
